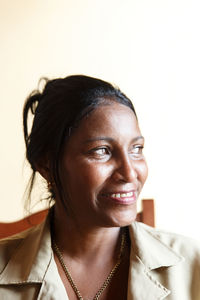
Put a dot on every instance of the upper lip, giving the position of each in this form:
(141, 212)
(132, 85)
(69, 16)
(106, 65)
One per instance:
(119, 192)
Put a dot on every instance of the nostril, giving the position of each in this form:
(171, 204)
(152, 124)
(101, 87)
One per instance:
(125, 173)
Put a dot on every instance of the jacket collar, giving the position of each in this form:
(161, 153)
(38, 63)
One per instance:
(31, 258)
(148, 253)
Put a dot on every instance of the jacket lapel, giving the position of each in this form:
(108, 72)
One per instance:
(30, 259)
(33, 263)
(148, 253)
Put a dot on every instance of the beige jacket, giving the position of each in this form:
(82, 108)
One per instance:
(162, 266)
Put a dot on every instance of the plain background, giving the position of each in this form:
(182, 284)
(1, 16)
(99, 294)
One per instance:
(150, 49)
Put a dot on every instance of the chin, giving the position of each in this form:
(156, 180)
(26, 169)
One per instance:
(123, 220)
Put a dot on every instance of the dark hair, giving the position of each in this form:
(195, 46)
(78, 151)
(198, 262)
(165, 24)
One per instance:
(57, 110)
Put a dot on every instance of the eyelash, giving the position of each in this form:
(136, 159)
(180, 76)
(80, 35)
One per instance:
(140, 147)
(95, 150)
(107, 151)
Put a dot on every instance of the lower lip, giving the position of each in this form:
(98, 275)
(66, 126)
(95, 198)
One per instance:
(124, 200)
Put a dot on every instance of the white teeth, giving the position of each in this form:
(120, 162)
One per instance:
(123, 195)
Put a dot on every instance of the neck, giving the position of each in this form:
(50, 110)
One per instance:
(84, 242)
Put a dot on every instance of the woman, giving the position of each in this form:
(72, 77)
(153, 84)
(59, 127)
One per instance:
(86, 142)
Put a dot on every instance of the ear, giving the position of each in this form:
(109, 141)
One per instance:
(43, 167)
(44, 172)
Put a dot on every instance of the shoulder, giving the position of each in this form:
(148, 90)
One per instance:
(8, 246)
(170, 260)
(184, 246)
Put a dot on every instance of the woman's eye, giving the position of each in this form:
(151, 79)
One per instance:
(137, 150)
(102, 151)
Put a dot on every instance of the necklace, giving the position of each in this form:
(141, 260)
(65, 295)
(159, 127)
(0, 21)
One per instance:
(108, 279)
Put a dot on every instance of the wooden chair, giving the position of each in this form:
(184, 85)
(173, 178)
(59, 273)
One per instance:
(7, 229)
(147, 215)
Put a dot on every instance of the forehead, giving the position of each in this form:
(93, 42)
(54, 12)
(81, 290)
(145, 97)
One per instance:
(108, 120)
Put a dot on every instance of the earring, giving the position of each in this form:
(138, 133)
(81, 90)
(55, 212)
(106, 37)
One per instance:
(50, 185)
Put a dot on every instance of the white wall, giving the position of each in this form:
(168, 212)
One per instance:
(149, 48)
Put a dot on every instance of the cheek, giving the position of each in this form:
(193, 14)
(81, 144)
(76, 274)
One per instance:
(142, 170)
(94, 176)
(85, 177)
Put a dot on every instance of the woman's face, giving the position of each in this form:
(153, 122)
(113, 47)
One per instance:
(103, 169)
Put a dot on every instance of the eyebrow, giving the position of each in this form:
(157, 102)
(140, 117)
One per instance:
(109, 139)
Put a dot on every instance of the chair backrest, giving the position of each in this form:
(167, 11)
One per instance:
(146, 216)
(8, 229)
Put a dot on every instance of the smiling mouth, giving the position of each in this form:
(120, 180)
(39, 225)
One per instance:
(122, 198)
(122, 195)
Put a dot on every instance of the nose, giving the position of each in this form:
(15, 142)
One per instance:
(125, 170)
